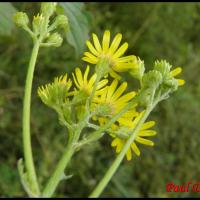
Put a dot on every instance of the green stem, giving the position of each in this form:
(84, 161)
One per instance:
(62, 164)
(26, 121)
(59, 171)
(113, 168)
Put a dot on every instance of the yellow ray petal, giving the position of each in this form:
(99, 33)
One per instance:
(124, 59)
(181, 82)
(92, 80)
(120, 51)
(115, 43)
(115, 142)
(114, 75)
(147, 133)
(106, 41)
(135, 149)
(86, 74)
(148, 125)
(92, 57)
(91, 48)
(125, 122)
(119, 91)
(102, 83)
(127, 97)
(176, 71)
(122, 67)
(112, 89)
(100, 91)
(96, 43)
(144, 141)
(119, 146)
(75, 81)
(89, 60)
(79, 76)
(129, 154)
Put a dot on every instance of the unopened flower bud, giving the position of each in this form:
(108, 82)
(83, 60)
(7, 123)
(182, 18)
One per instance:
(48, 9)
(38, 22)
(55, 40)
(139, 71)
(21, 19)
(61, 20)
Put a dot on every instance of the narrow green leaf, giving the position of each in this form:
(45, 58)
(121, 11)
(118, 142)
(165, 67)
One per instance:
(79, 25)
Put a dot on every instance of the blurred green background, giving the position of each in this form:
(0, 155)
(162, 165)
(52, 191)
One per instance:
(154, 31)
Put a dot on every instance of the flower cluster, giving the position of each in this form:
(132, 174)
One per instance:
(98, 97)
(42, 28)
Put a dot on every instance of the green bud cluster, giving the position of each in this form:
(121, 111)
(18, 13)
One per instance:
(157, 82)
(42, 29)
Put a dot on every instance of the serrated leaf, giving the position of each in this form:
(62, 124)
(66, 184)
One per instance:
(6, 18)
(79, 25)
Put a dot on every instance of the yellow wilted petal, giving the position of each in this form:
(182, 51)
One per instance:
(148, 125)
(115, 43)
(181, 82)
(106, 41)
(144, 141)
(176, 71)
(129, 154)
(135, 149)
(96, 43)
(120, 51)
(91, 48)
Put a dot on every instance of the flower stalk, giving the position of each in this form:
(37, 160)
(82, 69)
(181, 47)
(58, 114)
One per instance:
(26, 122)
(115, 165)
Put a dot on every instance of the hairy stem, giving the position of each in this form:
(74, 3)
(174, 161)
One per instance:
(59, 172)
(62, 164)
(113, 168)
(26, 122)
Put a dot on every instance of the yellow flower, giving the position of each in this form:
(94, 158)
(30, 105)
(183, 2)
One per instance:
(112, 96)
(55, 93)
(176, 72)
(144, 131)
(112, 52)
(84, 84)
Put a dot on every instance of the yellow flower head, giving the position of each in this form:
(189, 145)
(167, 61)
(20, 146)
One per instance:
(55, 93)
(86, 85)
(118, 143)
(112, 52)
(112, 96)
(176, 72)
